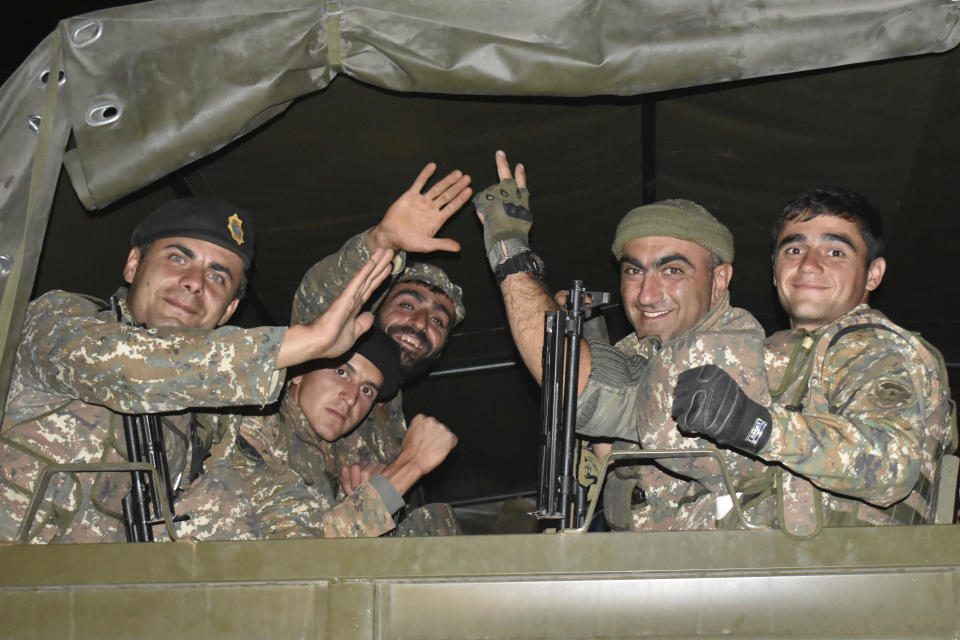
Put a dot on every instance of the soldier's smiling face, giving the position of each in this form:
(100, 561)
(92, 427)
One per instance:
(183, 282)
(820, 270)
(668, 285)
(336, 398)
(419, 320)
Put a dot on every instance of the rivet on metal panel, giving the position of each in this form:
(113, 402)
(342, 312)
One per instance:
(86, 33)
(101, 114)
(34, 123)
(6, 265)
(45, 75)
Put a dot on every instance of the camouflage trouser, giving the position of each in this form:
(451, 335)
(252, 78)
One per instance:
(436, 519)
(630, 506)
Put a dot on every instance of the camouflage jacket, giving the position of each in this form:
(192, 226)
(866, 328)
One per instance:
(77, 369)
(861, 417)
(629, 396)
(379, 436)
(862, 411)
(275, 484)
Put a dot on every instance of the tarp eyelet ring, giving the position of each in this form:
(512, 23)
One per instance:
(101, 114)
(34, 123)
(87, 33)
(45, 75)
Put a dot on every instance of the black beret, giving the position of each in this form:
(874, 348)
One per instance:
(209, 219)
(380, 349)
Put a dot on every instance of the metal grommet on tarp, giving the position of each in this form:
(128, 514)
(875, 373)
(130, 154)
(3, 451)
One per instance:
(86, 33)
(45, 76)
(103, 113)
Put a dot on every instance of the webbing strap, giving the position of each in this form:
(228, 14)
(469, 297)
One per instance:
(952, 407)
(37, 188)
(334, 52)
(791, 526)
(800, 363)
(905, 514)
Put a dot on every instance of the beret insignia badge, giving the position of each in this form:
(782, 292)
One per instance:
(235, 225)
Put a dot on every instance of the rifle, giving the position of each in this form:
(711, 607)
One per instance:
(561, 496)
(143, 434)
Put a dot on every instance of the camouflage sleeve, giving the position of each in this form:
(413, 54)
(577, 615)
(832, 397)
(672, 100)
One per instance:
(286, 508)
(325, 280)
(607, 406)
(244, 498)
(388, 493)
(868, 443)
(65, 349)
(253, 493)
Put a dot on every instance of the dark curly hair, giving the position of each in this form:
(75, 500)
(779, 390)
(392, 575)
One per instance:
(842, 203)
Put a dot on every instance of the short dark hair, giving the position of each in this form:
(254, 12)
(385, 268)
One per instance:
(241, 286)
(715, 261)
(841, 203)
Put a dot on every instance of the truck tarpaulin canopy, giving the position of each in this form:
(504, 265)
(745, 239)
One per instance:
(219, 69)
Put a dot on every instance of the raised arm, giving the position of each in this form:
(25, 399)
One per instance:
(504, 210)
(410, 224)
(72, 349)
(425, 446)
(335, 330)
(413, 220)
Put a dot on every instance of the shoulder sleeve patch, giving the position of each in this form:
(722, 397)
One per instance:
(889, 394)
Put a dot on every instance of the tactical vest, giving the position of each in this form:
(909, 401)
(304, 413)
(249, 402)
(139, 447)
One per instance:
(682, 493)
(802, 508)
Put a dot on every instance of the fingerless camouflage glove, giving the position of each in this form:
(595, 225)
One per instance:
(506, 220)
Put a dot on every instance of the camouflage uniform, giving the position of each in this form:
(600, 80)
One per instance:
(377, 439)
(77, 369)
(863, 412)
(629, 396)
(275, 484)
(860, 409)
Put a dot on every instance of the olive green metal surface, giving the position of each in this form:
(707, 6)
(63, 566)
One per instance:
(846, 583)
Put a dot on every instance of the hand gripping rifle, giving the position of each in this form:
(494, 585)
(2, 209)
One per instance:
(561, 495)
(143, 506)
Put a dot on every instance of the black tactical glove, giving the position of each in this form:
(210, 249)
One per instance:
(506, 220)
(708, 402)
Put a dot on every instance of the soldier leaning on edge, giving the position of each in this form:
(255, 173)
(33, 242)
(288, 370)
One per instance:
(419, 311)
(275, 485)
(77, 368)
(860, 406)
(675, 267)
(292, 475)
(861, 412)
